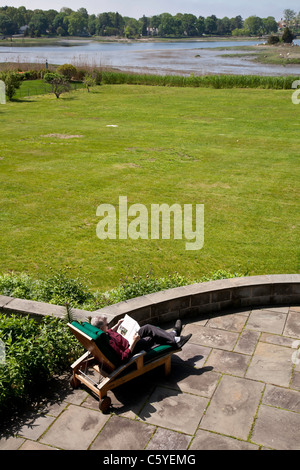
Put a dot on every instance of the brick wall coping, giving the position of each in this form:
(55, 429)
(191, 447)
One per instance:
(195, 299)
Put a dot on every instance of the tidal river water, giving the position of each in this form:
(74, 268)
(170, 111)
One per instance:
(200, 57)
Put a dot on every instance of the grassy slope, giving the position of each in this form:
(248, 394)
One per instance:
(236, 151)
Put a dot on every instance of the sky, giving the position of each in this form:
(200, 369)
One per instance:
(138, 8)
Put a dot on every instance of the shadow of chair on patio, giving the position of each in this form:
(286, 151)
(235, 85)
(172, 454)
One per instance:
(134, 395)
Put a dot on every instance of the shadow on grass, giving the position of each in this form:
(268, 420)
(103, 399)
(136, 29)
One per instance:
(22, 100)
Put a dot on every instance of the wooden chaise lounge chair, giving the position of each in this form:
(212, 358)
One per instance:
(104, 360)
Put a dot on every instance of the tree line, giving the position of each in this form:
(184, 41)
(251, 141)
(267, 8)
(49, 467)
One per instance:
(66, 22)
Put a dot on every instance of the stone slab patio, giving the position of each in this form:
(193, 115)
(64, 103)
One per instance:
(235, 385)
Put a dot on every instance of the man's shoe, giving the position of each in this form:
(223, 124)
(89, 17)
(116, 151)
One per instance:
(183, 340)
(178, 327)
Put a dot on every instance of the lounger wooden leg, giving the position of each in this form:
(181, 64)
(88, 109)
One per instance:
(168, 366)
(104, 403)
(74, 382)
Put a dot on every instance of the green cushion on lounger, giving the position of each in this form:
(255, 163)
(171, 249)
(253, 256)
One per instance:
(158, 351)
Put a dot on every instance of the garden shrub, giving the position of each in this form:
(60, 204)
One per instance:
(34, 351)
(273, 39)
(69, 71)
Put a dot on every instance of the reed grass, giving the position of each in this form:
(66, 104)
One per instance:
(205, 81)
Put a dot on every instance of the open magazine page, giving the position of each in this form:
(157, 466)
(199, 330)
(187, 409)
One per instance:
(128, 327)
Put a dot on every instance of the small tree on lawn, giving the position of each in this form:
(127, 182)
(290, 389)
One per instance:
(89, 81)
(59, 84)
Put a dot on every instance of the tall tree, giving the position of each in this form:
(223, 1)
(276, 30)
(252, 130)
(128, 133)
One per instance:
(77, 24)
(210, 24)
(270, 25)
(254, 25)
(7, 26)
(38, 24)
(289, 15)
(144, 25)
(200, 25)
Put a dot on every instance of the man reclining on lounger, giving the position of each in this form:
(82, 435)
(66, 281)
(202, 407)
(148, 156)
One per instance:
(146, 338)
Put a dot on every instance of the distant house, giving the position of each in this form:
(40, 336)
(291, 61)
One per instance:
(23, 29)
(282, 25)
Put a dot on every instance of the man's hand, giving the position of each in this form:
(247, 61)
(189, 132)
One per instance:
(135, 339)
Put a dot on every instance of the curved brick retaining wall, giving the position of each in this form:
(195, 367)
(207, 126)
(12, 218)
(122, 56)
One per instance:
(196, 299)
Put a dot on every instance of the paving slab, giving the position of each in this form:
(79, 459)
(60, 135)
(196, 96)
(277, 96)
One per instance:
(174, 410)
(271, 364)
(282, 398)
(205, 440)
(192, 355)
(75, 428)
(277, 429)
(292, 327)
(233, 407)
(230, 322)
(266, 320)
(123, 434)
(247, 342)
(212, 337)
(277, 339)
(164, 439)
(35, 426)
(295, 383)
(228, 362)
(32, 445)
(11, 443)
(201, 382)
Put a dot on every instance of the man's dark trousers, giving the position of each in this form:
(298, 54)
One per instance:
(152, 336)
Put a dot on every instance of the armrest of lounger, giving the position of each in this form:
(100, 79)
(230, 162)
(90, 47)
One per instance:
(138, 358)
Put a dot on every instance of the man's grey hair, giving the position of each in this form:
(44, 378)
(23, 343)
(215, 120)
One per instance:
(99, 321)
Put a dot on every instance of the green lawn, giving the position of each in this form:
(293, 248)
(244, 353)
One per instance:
(235, 151)
(38, 87)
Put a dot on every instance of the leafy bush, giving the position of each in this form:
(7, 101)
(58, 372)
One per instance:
(12, 82)
(69, 71)
(31, 75)
(34, 351)
(273, 39)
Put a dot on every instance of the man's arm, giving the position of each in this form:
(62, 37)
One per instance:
(114, 328)
(135, 339)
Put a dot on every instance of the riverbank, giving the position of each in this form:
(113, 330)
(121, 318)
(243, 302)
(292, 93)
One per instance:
(75, 40)
(283, 54)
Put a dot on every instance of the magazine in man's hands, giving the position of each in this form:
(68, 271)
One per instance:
(128, 327)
